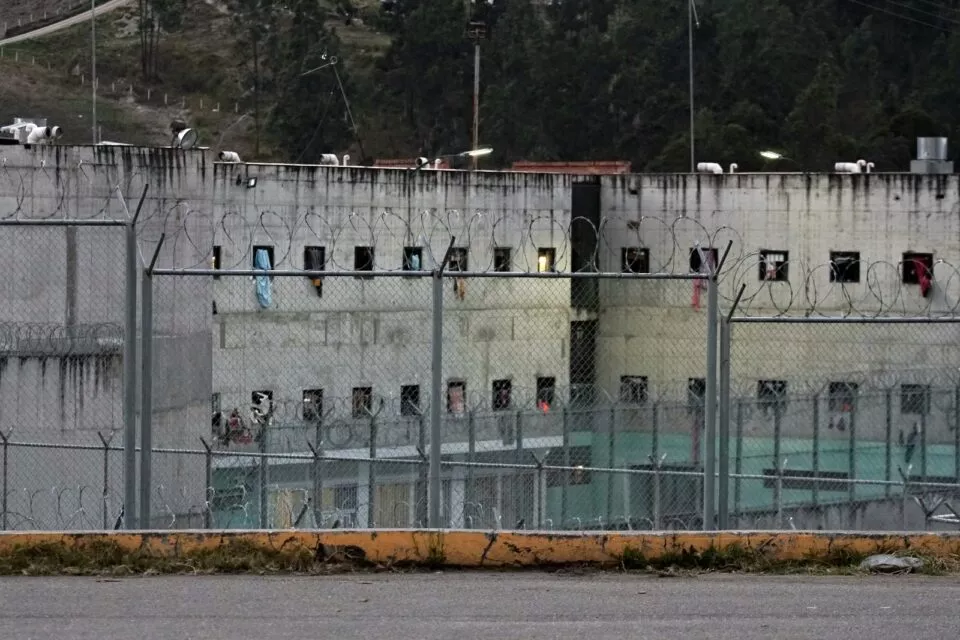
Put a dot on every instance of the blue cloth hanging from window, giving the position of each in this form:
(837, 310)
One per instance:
(264, 288)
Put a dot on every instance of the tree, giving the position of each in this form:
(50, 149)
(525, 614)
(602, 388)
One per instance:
(256, 23)
(427, 76)
(811, 127)
(312, 116)
(157, 17)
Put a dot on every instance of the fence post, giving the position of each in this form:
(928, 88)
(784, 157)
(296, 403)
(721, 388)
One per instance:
(436, 366)
(781, 466)
(146, 398)
(436, 381)
(738, 460)
(956, 434)
(723, 488)
(130, 372)
(852, 463)
(468, 492)
(611, 445)
(106, 476)
(888, 453)
(710, 430)
(816, 449)
(923, 440)
(207, 484)
(657, 508)
(904, 495)
(539, 492)
(317, 451)
(372, 473)
(517, 477)
(565, 417)
(5, 438)
(317, 490)
(423, 480)
(262, 479)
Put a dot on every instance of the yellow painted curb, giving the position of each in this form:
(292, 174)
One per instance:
(500, 548)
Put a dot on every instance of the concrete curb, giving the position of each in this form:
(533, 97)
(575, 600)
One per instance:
(497, 549)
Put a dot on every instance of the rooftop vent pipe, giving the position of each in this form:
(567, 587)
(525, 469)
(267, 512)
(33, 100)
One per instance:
(931, 157)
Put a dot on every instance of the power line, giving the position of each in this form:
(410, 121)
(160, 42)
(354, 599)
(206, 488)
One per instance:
(901, 16)
(928, 13)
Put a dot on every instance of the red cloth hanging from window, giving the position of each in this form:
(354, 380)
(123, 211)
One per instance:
(923, 278)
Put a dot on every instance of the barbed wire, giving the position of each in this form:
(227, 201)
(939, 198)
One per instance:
(44, 339)
(772, 285)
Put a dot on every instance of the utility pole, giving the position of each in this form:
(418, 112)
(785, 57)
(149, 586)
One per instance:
(691, 18)
(93, 76)
(476, 31)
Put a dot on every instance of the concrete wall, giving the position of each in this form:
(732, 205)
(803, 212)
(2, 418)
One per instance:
(376, 332)
(62, 316)
(655, 330)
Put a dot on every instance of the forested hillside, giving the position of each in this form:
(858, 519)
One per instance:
(818, 80)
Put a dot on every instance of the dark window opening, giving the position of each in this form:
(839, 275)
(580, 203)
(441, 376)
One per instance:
(263, 397)
(841, 396)
(546, 257)
(696, 394)
(315, 259)
(545, 392)
(410, 400)
(501, 259)
(916, 267)
(363, 259)
(457, 397)
(578, 457)
(256, 251)
(458, 259)
(362, 402)
(262, 408)
(844, 266)
(502, 390)
(217, 259)
(774, 266)
(633, 389)
(312, 404)
(771, 391)
(696, 263)
(915, 399)
(634, 260)
(412, 258)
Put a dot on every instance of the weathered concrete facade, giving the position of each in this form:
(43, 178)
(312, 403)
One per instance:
(62, 325)
(585, 342)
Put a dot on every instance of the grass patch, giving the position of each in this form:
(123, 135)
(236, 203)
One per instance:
(737, 558)
(99, 557)
(103, 556)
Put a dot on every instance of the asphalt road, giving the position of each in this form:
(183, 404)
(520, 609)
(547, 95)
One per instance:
(63, 24)
(463, 606)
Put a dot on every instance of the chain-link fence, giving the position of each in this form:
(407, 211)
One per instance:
(842, 423)
(61, 359)
(552, 412)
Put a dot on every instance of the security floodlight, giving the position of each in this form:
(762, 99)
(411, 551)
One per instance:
(185, 139)
(476, 153)
(771, 155)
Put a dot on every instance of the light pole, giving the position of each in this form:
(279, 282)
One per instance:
(476, 31)
(473, 154)
(776, 155)
(691, 19)
(93, 77)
